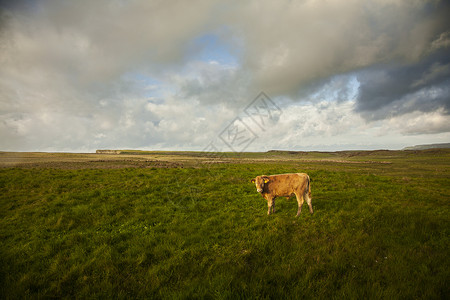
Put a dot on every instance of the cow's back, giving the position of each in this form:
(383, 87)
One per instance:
(286, 184)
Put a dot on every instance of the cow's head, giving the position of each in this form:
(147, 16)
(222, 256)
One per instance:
(259, 181)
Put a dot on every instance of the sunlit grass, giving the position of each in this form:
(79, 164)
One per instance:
(378, 231)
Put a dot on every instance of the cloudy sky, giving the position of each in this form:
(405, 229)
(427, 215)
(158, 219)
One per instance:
(223, 75)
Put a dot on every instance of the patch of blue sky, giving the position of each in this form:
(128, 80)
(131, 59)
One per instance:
(210, 48)
(352, 87)
(343, 87)
(147, 86)
(213, 48)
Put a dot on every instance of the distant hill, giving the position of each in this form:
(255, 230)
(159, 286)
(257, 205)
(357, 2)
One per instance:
(429, 146)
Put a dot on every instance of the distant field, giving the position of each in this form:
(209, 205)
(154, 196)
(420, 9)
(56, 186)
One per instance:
(161, 225)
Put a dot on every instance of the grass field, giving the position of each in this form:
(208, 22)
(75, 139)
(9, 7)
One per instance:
(164, 225)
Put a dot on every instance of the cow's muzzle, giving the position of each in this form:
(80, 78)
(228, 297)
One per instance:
(259, 190)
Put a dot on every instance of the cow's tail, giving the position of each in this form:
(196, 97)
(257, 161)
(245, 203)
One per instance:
(307, 194)
(308, 187)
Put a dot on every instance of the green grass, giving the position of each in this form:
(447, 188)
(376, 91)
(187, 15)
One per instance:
(379, 231)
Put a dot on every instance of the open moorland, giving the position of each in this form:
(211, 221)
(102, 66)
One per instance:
(164, 225)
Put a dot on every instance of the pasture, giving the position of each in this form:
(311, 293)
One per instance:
(187, 225)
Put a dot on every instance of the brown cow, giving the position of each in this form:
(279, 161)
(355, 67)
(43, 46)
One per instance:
(284, 185)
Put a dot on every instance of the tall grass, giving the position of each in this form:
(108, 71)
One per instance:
(377, 232)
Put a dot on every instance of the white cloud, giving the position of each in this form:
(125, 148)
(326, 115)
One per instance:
(308, 125)
(417, 123)
(336, 126)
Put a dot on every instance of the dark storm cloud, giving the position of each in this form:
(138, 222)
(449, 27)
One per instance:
(294, 45)
(397, 89)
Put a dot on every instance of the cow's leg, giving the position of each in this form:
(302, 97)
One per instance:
(270, 205)
(300, 201)
(308, 200)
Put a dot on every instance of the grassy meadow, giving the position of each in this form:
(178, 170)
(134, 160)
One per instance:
(163, 225)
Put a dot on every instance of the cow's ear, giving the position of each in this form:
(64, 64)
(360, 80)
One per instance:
(253, 180)
(266, 179)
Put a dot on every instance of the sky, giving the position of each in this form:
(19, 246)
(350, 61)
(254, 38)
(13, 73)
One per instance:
(208, 75)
